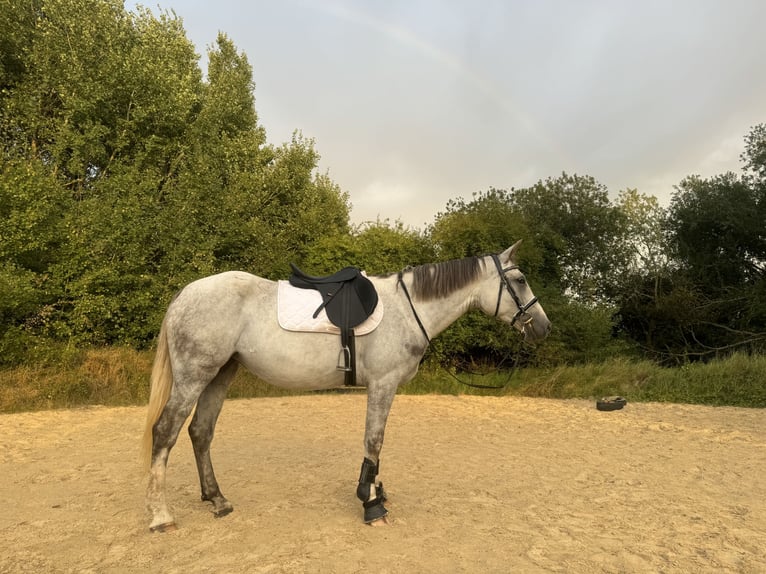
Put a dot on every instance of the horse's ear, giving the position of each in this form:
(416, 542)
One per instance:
(509, 255)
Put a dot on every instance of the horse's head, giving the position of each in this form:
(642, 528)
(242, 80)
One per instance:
(512, 300)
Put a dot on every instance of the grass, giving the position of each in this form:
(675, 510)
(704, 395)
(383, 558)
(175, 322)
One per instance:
(119, 377)
(739, 380)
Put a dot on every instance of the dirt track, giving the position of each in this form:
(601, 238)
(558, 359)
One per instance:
(476, 485)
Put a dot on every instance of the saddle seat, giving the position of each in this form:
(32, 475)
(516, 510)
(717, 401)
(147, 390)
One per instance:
(345, 274)
(349, 298)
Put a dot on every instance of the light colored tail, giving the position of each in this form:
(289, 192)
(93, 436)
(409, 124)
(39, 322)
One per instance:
(161, 384)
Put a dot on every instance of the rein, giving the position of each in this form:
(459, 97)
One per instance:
(475, 386)
(400, 280)
(504, 282)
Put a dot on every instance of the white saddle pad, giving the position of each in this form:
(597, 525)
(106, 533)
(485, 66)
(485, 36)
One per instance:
(296, 307)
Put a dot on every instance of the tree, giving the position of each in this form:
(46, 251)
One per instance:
(718, 231)
(578, 230)
(642, 233)
(489, 223)
(754, 156)
(126, 175)
(709, 298)
(376, 248)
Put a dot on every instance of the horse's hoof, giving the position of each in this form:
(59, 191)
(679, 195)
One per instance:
(162, 528)
(380, 522)
(223, 512)
(374, 511)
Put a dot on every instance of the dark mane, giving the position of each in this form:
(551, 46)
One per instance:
(437, 280)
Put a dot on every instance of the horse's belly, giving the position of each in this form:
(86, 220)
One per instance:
(294, 360)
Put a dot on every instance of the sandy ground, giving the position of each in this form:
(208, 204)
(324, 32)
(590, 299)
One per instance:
(475, 485)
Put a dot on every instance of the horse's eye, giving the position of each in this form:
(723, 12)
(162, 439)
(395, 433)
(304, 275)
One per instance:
(522, 280)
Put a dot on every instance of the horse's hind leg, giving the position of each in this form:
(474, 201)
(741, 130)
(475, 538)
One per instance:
(165, 434)
(201, 431)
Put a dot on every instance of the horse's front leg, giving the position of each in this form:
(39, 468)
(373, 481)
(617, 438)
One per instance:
(370, 491)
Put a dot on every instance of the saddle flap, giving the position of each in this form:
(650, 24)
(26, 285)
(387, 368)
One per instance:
(358, 299)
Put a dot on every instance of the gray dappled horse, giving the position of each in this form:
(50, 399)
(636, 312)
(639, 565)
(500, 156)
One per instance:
(220, 322)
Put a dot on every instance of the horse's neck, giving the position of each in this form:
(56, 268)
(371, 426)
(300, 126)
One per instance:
(438, 314)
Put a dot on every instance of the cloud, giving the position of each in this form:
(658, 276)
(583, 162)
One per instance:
(416, 102)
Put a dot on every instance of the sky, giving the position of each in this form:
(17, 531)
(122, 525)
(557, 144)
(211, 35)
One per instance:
(412, 103)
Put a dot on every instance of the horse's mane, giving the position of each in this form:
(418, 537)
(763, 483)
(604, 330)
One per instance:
(437, 280)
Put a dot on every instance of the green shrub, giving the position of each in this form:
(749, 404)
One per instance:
(120, 376)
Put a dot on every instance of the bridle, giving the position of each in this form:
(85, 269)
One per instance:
(505, 282)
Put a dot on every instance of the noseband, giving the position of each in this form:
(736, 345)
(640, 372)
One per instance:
(505, 282)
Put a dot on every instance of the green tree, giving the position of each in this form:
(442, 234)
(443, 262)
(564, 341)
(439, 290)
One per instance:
(126, 174)
(709, 298)
(578, 229)
(754, 156)
(489, 223)
(718, 231)
(642, 233)
(377, 248)
(301, 206)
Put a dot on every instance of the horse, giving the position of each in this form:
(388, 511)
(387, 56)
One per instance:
(219, 322)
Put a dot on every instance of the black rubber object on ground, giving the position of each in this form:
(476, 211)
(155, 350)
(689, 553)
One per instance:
(611, 403)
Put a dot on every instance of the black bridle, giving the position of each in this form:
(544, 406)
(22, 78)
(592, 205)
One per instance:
(505, 282)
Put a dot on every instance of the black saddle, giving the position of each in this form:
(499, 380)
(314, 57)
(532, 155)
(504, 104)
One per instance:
(345, 274)
(349, 298)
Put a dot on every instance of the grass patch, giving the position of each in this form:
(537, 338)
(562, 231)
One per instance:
(739, 380)
(110, 376)
(120, 376)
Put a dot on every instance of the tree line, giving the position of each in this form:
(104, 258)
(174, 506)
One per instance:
(128, 173)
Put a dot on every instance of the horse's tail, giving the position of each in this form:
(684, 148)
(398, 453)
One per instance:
(161, 384)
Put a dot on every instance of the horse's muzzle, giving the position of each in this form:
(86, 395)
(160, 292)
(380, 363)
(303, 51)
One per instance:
(535, 330)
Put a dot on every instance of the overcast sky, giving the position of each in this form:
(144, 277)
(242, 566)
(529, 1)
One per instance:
(415, 102)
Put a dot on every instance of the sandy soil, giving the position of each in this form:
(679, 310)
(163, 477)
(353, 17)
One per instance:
(476, 485)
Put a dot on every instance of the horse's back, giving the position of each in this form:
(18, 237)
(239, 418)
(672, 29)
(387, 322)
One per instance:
(213, 307)
(240, 282)
(226, 287)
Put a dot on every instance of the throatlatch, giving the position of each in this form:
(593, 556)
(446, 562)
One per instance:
(373, 507)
